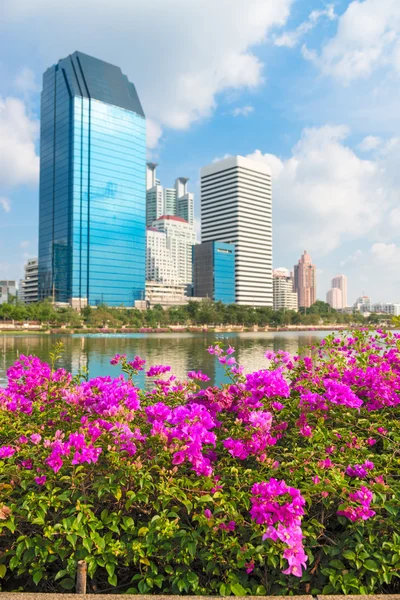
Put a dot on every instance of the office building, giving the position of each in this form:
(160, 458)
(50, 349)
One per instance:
(28, 292)
(285, 298)
(214, 271)
(386, 308)
(176, 201)
(340, 282)
(160, 266)
(305, 281)
(8, 291)
(92, 233)
(236, 208)
(335, 299)
(166, 294)
(180, 239)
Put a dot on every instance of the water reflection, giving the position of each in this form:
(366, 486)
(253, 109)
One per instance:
(184, 352)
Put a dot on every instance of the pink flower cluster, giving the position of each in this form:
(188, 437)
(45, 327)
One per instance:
(360, 471)
(280, 508)
(359, 509)
(186, 429)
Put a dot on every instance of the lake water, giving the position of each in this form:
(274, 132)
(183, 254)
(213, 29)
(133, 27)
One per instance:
(183, 351)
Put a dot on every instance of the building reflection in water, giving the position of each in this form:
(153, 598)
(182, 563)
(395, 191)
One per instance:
(183, 352)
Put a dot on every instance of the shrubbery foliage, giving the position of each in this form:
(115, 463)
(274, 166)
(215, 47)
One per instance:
(283, 481)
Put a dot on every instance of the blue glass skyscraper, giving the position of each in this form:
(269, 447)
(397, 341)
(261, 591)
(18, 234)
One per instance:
(214, 271)
(92, 236)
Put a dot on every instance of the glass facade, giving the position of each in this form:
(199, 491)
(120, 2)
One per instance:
(92, 236)
(214, 271)
(224, 272)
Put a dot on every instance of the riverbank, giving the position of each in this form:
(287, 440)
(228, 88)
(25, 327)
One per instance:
(4, 330)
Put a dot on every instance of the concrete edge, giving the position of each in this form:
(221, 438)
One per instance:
(34, 596)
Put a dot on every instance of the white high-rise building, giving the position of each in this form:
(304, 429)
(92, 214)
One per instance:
(334, 298)
(160, 265)
(167, 201)
(284, 296)
(184, 200)
(340, 282)
(236, 207)
(180, 239)
(8, 291)
(29, 286)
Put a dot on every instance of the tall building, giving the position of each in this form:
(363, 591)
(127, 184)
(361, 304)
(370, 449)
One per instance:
(160, 266)
(161, 201)
(334, 298)
(92, 234)
(305, 282)
(180, 239)
(214, 271)
(285, 298)
(236, 207)
(28, 287)
(8, 291)
(340, 282)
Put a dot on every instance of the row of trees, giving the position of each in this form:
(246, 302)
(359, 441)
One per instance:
(194, 313)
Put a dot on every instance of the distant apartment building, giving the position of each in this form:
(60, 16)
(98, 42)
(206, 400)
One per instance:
(236, 208)
(388, 308)
(214, 271)
(176, 201)
(160, 265)
(8, 290)
(337, 295)
(284, 295)
(334, 298)
(167, 295)
(28, 292)
(363, 304)
(305, 281)
(180, 239)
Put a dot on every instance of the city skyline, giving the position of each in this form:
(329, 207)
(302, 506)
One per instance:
(333, 152)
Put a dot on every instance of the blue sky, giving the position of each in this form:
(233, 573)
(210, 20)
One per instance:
(308, 86)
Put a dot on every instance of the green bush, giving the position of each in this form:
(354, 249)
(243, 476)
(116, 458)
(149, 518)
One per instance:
(157, 491)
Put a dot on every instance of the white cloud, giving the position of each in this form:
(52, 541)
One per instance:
(242, 111)
(24, 244)
(370, 142)
(325, 194)
(5, 204)
(353, 258)
(19, 163)
(290, 39)
(179, 62)
(386, 255)
(367, 38)
(25, 81)
(154, 133)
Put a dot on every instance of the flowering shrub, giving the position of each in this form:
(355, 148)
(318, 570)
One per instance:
(284, 481)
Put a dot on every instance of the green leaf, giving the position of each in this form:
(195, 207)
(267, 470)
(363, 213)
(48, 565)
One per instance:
(238, 589)
(37, 576)
(67, 584)
(3, 570)
(349, 554)
(372, 565)
(225, 589)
